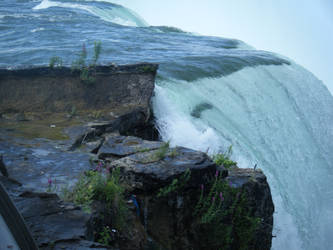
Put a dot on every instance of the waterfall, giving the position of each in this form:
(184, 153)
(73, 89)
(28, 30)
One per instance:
(278, 117)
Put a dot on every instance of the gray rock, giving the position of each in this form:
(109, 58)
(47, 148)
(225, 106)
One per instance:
(135, 123)
(20, 117)
(74, 245)
(169, 219)
(260, 202)
(11, 219)
(118, 88)
(121, 146)
(52, 223)
(154, 169)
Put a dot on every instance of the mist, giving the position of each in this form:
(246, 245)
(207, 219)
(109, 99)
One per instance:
(298, 29)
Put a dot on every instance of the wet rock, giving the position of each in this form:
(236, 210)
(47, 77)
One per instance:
(48, 221)
(134, 123)
(260, 202)
(121, 146)
(169, 218)
(52, 223)
(20, 117)
(166, 220)
(156, 168)
(3, 168)
(16, 225)
(132, 235)
(92, 146)
(10, 183)
(74, 244)
(147, 168)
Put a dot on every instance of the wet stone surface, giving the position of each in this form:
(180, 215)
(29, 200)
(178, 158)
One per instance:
(121, 146)
(153, 169)
(34, 162)
(146, 168)
(53, 223)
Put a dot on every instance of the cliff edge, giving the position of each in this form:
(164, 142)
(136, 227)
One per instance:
(121, 186)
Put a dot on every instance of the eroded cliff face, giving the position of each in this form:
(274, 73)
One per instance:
(116, 89)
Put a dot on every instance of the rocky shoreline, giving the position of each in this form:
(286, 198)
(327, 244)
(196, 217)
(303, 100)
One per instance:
(161, 213)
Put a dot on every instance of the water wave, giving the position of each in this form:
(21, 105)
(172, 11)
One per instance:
(112, 13)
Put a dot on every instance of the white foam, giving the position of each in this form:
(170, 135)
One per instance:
(36, 30)
(180, 129)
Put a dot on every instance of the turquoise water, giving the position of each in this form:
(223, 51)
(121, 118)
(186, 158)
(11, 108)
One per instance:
(273, 112)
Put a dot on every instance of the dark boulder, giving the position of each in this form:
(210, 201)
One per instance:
(260, 202)
(167, 181)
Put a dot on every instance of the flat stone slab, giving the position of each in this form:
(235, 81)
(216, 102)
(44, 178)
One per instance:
(153, 169)
(122, 146)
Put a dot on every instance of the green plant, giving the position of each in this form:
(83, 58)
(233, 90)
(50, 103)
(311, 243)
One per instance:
(96, 114)
(97, 51)
(224, 215)
(176, 184)
(147, 68)
(80, 63)
(105, 236)
(51, 244)
(87, 71)
(83, 191)
(73, 111)
(86, 76)
(162, 151)
(173, 153)
(104, 187)
(51, 185)
(55, 62)
(143, 150)
(112, 193)
(224, 159)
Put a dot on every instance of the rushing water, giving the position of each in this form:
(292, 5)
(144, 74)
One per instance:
(211, 93)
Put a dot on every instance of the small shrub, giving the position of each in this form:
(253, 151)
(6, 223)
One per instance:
(173, 153)
(73, 111)
(104, 187)
(55, 62)
(96, 114)
(51, 185)
(81, 61)
(143, 150)
(147, 68)
(97, 51)
(87, 71)
(105, 236)
(161, 153)
(80, 64)
(224, 159)
(224, 215)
